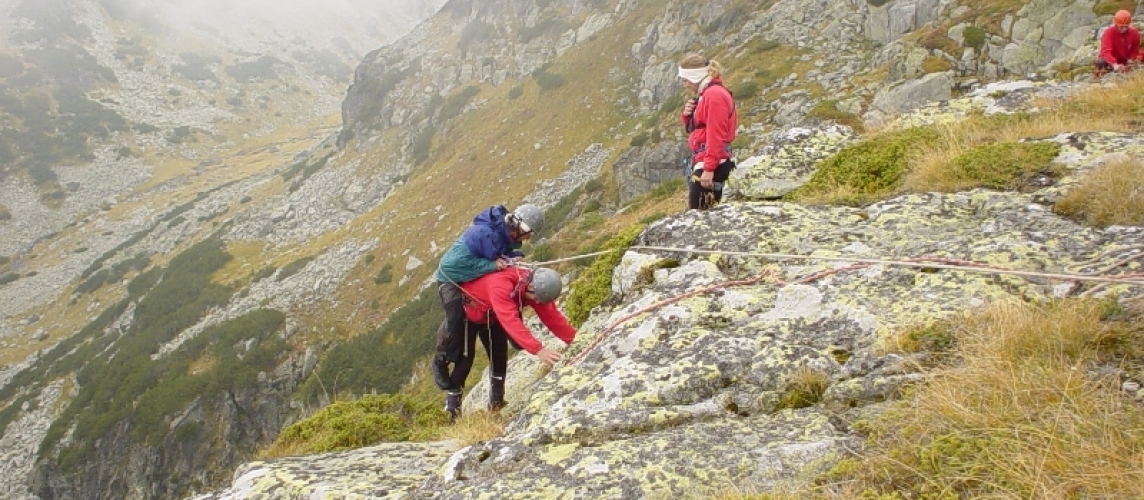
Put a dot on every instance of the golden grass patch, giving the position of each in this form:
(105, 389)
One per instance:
(475, 427)
(1113, 193)
(1020, 415)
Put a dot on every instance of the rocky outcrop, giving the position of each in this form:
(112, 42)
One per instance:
(788, 160)
(638, 170)
(123, 468)
(690, 382)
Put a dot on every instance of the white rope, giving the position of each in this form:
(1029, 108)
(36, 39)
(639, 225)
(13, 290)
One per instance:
(855, 260)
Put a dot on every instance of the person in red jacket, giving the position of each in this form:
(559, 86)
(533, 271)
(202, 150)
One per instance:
(711, 122)
(493, 306)
(1119, 45)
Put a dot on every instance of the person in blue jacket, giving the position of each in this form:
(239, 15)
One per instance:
(491, 243)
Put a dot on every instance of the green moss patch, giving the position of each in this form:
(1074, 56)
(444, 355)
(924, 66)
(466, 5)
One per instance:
(594, 285)
(1003, 165)
(868, 170)
(370, 420)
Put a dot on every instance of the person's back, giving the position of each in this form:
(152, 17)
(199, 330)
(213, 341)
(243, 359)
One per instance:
(476, 251)
(500, 296)
(493, 315)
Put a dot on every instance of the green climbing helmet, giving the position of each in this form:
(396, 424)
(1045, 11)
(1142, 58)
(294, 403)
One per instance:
(546, 284)
(527, 219)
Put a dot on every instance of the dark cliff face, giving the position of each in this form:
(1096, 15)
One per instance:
(212, 437)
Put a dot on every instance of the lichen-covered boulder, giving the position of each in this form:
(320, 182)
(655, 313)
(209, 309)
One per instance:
(700, 377)
(787, 161)
(388, 470)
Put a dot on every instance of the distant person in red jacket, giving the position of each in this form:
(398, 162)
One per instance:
(493, 305)
(1119, 46)
(711, 122)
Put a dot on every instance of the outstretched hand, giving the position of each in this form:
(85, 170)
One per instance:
(549, 357)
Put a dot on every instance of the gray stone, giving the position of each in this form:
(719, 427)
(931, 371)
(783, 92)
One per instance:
(911, 94)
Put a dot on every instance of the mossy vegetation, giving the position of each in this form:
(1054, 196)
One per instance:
(115, 370)
(378, 361)
(1001, 165)
(868, 170)
(257, 69)
(368, 420)
(594, 285)
(828, 110)
(1109, 7)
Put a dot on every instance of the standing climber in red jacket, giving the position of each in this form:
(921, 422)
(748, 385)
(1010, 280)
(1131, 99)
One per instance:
(711, 122)
(493, 305)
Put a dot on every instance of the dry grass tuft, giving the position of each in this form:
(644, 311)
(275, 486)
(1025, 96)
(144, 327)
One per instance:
(1020, 417)
(475, 427)
(1112, 194)
(1113, 108)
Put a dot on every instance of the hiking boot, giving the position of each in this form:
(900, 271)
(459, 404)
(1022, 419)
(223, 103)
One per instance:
(440, 368)
(453, 404)
(496, 393)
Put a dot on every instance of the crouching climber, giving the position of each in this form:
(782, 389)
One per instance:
(493, 305)
(1119, 46)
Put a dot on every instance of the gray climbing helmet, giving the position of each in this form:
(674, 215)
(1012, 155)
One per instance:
(527, 218)
(546, 284)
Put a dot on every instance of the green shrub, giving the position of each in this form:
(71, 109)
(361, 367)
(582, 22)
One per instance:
(456, 102)
(1109, 7)
(131, 384)
(594, 285)
(324, 62)
(258, 69)
(263, 273)
(541, 253)
(515, 91)
(293, 268)
(869, 169)
(370, 420)
(746, 90)
(975, 37)
(422, 145)
(384, 275)
(382, 359)
(8, 278)
(828, 110)
(639, 140)
(1003, 165)
(593, 205)
(546, 80)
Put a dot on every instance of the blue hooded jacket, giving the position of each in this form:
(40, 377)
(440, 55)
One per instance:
(474, 254)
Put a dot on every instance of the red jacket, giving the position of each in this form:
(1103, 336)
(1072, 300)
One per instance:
(711, 127)
(1119, 48)
(499, 296)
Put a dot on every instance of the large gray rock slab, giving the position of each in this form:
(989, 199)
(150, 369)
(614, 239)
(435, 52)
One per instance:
(788, 160)
(388, 470)
(912, 94)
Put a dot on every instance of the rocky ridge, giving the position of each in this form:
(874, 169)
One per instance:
(344, 189)
(666, 397)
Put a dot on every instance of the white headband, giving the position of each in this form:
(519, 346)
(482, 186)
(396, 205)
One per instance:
(693, 75)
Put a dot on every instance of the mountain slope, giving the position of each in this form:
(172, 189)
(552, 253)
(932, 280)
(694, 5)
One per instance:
(565, 104)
